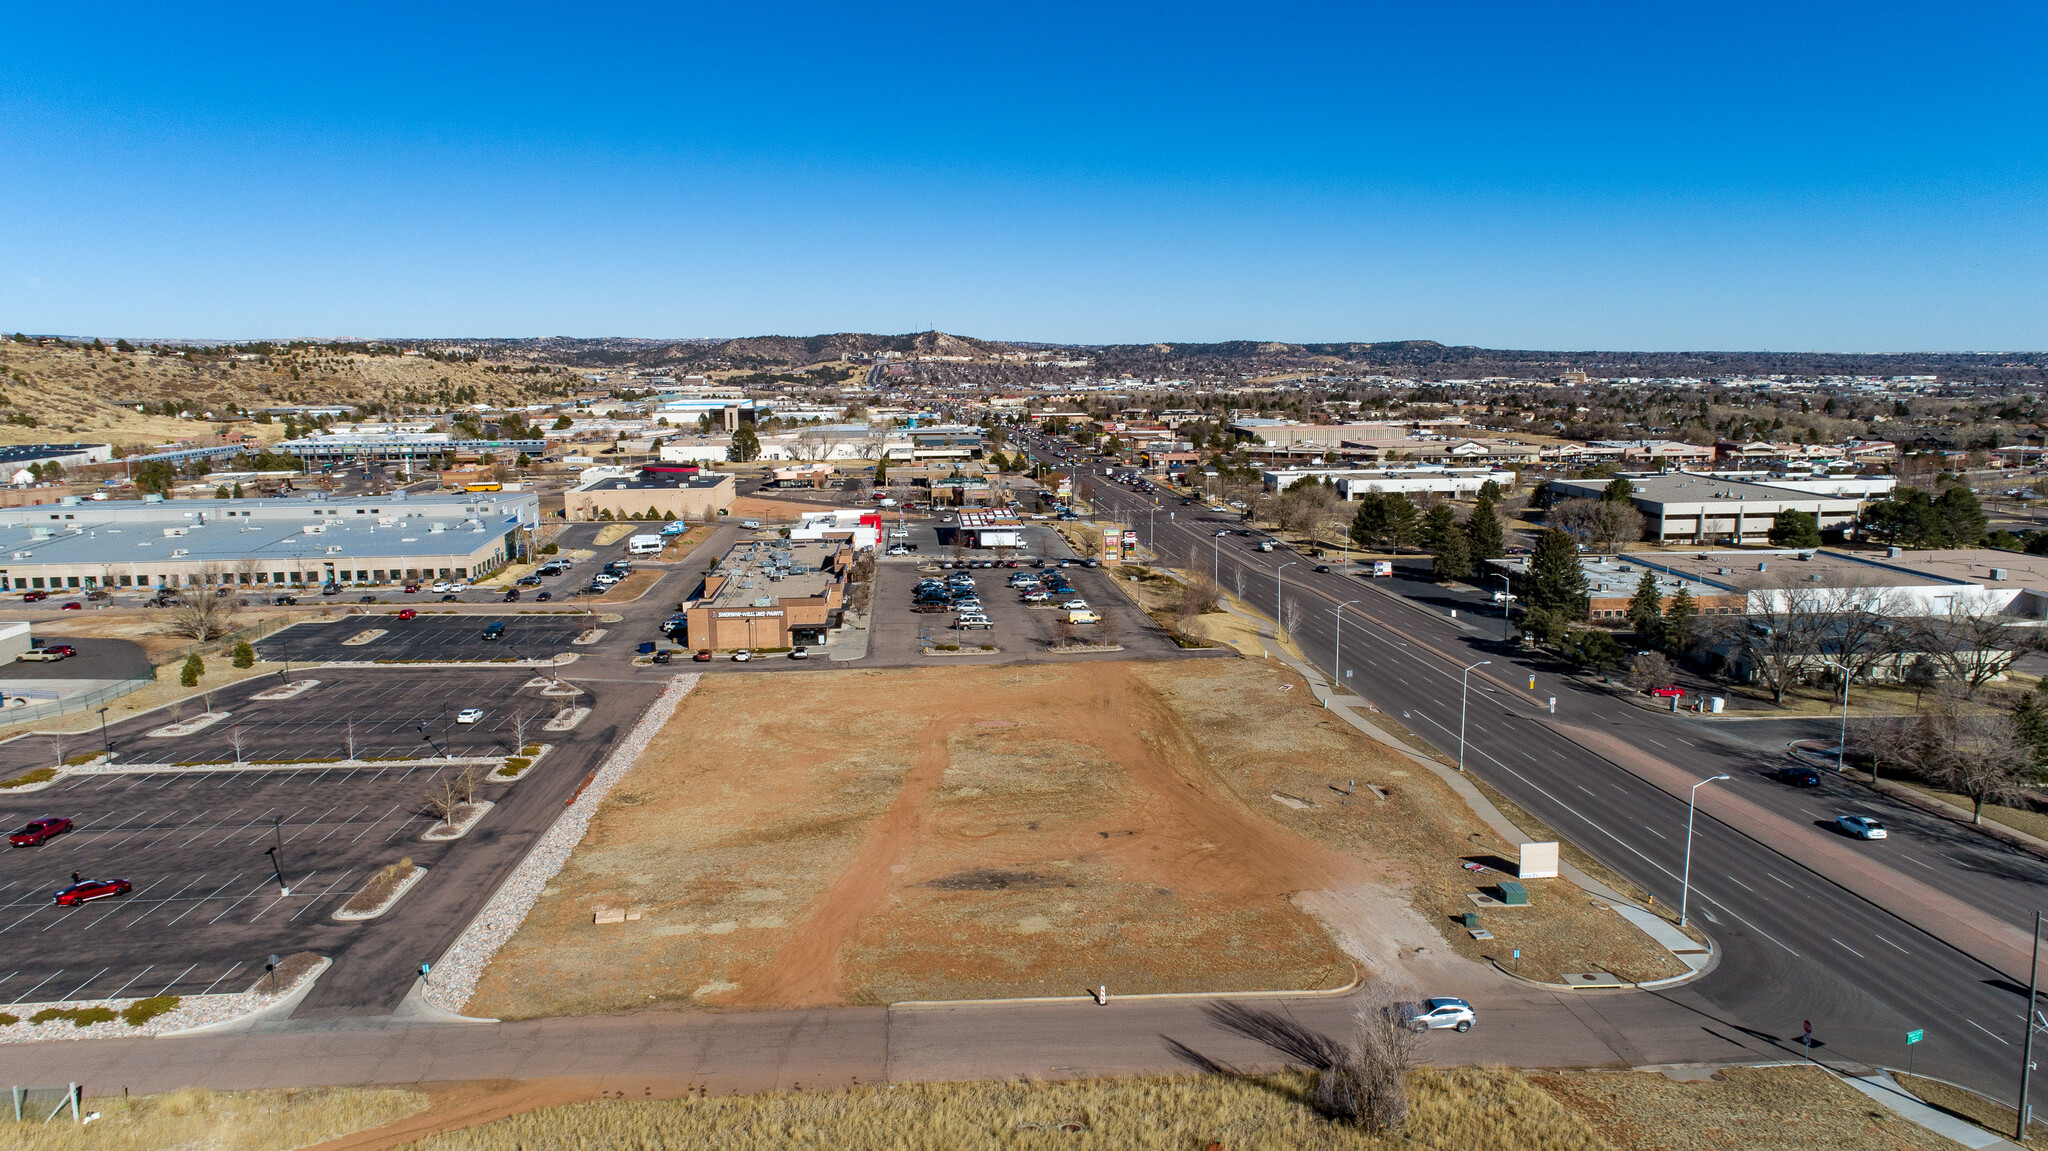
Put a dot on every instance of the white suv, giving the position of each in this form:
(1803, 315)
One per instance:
(1439, 1013)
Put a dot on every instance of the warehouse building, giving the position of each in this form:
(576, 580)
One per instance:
(771, 594)
(1685, 508)
(671, 491)
(80, 545)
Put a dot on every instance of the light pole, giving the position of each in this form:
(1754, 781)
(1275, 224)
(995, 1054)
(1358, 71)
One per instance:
(1465, 693)
(1841, 748)
(1339, 669)
(1276, 597)
(1685, 884)
(1507, 608)
(103, 734)
(1343, 543)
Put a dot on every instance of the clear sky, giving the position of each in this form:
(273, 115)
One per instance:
(1851, 177)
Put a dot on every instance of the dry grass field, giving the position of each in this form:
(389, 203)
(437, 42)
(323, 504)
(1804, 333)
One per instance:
(1756, 1109)
(197, 1120)
(955, 833)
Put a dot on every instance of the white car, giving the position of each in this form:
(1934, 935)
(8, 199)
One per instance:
(1037, 597)
(605, 578)
(441, 587)
(1861, 826)
(1075, 605)
(742, 656)
(1440, 1013)
(899, 550)
(899, 533)
(469, 715)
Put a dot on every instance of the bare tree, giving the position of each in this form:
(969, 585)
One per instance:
(239, 739)
(1882, 740)
(518, 733)
(1647, 671)
(1290, 615)
(450, 795)
(349, 734)
(1779, 638)
(1240, 581)
(1979, 754)
(1973, 642)
(1600, 524)
(57, 744)
(200, 613)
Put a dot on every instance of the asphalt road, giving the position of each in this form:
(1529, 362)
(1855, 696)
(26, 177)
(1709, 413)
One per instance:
(1796, 947)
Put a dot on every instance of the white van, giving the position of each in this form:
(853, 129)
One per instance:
(1083, 617)
(644, 545)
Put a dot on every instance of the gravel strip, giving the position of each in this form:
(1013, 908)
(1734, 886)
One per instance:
(192, 1011)
(459, 968)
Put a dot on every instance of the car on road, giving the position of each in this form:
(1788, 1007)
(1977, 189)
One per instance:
(1440, 1013)
(1668, 691)
(1861, 826)
(359, 599)
(742, 656)
(1799, 776)
(74, 605)
(664, 655)
(412, 588)
(469, 715)
(529, 581)
(88, 890)
(35, 831)
(511, 594)
(703, 655)
(451, 597)
(899, 550)
(544, 597)
(34, 596)
(1323, 568)
(799, 652)
(409, 613)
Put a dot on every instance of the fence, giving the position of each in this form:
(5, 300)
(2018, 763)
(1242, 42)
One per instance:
(90, 701)
(42, 1104)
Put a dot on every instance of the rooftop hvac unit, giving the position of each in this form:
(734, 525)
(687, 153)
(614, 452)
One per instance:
(1721, 571)
(1762, 567)
(177, 553)
(1894, 553)
(1998, 573)
(763, 601)
(174, 531)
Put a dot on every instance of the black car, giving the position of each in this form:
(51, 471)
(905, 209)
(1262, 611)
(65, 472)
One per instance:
(1799, 776)
(1322, 567)
(545, 596)
(286, 600)
(451, 597)
(511, 594)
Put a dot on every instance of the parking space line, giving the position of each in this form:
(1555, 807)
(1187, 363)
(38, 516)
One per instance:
(237, 903)
(281, 898)
(316, 899)
(223, 975)
(73, 994)
(32, 990)
(174, 982)
(202, 902)
(166, 899)
(131, 981)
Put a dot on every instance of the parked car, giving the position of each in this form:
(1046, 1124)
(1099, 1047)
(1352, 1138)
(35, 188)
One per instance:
(703, 656)
(439, 587)
(34, 596)
(74, 605)
(409, 613)
(35, 831)
(663, 656)
(799, 652)
(1668, 691)
(1075, 605)
(529, 581)
(469, 715)
(1799, 776)
(412, 589)
(366, 599)
(544, 597)
(742, 656)
(1861, 826)
(284, 599)
(1440, 1013)
(511, 593)
(91, 889)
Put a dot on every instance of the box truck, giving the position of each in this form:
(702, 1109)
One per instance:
(643, 545)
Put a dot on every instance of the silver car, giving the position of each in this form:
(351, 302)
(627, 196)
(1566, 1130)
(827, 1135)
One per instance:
(1440, 1013)
(1861, 826)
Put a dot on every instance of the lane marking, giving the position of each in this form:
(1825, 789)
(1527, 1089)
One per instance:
(1845, 947)
(1890, 944)
(1985, 1030)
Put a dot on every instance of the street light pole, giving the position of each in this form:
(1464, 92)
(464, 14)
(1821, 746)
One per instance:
(1842, 747)
(1685, 884)
(1464, 694)
(1507, 608)
(2027, 1052)
(1276, 597)
(103, 734)
(1338, 671)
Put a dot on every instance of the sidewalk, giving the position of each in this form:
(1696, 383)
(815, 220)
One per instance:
(1882, 1088)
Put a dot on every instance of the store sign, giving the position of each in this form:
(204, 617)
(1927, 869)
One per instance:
(746, 614)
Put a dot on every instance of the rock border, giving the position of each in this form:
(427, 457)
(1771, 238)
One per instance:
(567, 719)
(533, 761)
(187, 726)
(404, 885)
(295, 688)
(462, 965)
(195, 1014)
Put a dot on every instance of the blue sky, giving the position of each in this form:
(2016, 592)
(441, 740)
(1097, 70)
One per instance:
(1792, 177)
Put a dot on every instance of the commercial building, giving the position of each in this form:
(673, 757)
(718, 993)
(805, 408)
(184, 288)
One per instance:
(861, 530)
(79, 545)
(659, 491)
(1699, 509)
(1611, 583)
(404, 447)
(16, 459)
(1352, 483)
(771, 594)
(981, 528)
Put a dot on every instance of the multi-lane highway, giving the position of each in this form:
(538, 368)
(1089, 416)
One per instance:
(1797, 945)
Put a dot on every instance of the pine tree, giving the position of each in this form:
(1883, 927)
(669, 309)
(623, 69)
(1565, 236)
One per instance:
(1556, 581)
(195, 667)
(1482, 528)
(1796, 529)
(1646, 611)
(1678, 621)
(2031, 723)
(1445, 538)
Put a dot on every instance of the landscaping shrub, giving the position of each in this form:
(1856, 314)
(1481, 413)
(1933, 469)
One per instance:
(79, 1016)
(143, 1010)
(39, 775)
(193, 669)
(245, 655)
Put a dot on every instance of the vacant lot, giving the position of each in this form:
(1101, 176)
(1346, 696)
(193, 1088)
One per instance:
(956, 833)
(1754, 1108)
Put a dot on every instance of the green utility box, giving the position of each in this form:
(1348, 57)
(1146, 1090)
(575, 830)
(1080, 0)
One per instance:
(1513, 894)
(1471, 919)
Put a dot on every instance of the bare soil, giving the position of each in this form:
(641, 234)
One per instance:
(973, 832)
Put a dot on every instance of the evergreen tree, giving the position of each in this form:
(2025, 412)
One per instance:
(2031, 723)
(1445, 538)
(1961, 516)
(1618, 490)
(244, 655)
(237, 494)
(1646, 611)
(746, 445)
(221, 492)
(1490, 491)
(1482, 528)
(193, 669)
(1796, 529)
(1556, 581)
(1678, 621)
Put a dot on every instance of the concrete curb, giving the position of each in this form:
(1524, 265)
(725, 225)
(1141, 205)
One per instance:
(277, 1010)
(1320, 993)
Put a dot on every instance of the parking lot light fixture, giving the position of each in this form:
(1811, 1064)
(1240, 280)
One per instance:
(1464, 694)
(104, 738)
(1685, 883)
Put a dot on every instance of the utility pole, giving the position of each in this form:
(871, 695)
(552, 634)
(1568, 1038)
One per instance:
(1685, 884)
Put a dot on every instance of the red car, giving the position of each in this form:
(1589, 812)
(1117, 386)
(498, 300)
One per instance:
(408, 613)
(74, 605)
(63, 649)
(703, 656)
(412, 587)
(1668, 691)
(38, 830)
(90, 890)
(34, 596)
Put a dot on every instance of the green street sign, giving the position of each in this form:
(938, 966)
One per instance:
(1915, 1036)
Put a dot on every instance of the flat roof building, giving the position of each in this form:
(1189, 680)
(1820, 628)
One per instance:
(1683, 507)
(659, 492)
(144, 544)
(770, 594)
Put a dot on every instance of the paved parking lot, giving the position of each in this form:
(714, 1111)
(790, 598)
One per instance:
(900, 635)
(429, 636)
(206, 909)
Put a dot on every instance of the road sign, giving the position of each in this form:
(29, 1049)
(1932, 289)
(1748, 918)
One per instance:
(1915, 1036)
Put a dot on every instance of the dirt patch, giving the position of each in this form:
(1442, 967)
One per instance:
(1755, 1108)
(977, 832)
